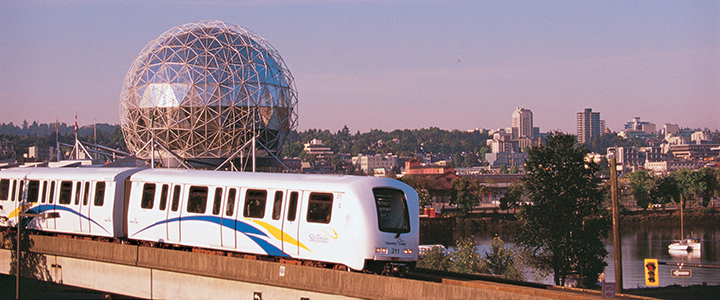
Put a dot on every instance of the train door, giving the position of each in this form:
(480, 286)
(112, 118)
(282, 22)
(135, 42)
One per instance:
(50, 202)
(291, 223)
(228, 219)
(67, 221)
(5, 203)
(32, 198)
(173, 214)
(16, 195)
(85, 217)
(276, 217)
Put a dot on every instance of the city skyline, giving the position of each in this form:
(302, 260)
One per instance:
(392, 64)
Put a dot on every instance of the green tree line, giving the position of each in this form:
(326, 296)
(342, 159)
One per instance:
(694, 185)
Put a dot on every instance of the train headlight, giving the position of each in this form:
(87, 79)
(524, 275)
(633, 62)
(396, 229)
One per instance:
(381, 250)
(407, 251)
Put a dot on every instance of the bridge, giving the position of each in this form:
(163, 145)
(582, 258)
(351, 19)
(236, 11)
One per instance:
(155, 273)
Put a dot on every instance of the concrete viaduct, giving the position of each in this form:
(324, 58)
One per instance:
(154, 273)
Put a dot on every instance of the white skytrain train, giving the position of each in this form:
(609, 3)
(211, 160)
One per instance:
(363, 223)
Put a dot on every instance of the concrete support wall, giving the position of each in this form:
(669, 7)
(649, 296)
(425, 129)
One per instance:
(168, 274)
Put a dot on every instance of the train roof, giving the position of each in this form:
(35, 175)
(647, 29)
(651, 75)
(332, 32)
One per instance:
(269, 180)
(205, 177)
(77, 173)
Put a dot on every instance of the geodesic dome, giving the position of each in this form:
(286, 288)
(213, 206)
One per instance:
(203, 89)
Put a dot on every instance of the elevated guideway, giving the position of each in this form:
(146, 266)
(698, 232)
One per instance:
(154, 273)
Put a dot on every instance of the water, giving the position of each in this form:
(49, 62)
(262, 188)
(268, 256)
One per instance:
(641, 244)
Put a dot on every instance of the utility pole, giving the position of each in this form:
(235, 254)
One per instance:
(617, 251)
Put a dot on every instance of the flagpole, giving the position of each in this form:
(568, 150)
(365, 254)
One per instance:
(77, 151)
(57, 140)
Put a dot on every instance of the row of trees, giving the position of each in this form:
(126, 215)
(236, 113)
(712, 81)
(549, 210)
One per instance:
(457, 144)
(699, 185)
(501, 260)
(463, 148)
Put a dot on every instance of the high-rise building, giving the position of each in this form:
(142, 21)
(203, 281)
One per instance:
(588, 125)
(522, 123)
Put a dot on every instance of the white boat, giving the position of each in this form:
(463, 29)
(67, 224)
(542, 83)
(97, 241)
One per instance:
(684, 254)
(686, 245)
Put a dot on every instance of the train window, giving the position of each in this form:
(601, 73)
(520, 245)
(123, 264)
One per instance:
(392, 210)
(12, 190)
(12, 193)
(320, 208)
(99, 193)
(86, 192)
(218, 201)
(51, 195)
(292, 206)
(77, 192)
(163, 197)
(65, 192)
(176, 198)
(197, 201)
(148, 197)
(20, 190)
(277, 205)
(4, 189)
(255, 203)
(33, 191)
(43, 188)
(230, 206)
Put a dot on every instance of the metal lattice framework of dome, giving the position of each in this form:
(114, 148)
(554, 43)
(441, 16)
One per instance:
(203, 89)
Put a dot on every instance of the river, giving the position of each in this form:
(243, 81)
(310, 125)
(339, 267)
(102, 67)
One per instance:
(641, 244)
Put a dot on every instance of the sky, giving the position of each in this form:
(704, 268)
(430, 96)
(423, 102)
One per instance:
(395, 64)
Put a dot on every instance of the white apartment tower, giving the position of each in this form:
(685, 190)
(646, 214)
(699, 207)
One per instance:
(522, 123)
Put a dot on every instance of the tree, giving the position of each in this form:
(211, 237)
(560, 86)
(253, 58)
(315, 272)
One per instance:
(424, 197)
(641, 183)
(513, 197)
(503, 169)
(703, 183)
(665, 190)
(707, 185)
(435, 258)
(564, 228)
(462, 196)
(502, 260)
(466, 259)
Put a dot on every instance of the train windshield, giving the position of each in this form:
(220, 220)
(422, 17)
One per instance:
(392, 210)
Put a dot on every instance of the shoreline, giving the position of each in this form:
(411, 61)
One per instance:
(447, 230)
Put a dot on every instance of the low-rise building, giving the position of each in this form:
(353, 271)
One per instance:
(317, 148)
(631, 158)
(414, 167)
(7, 149)
(694, 151)
(37, 153)
(368, 163)
(664, 167)
(509, 159)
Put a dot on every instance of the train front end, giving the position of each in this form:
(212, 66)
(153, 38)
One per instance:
(396, 238)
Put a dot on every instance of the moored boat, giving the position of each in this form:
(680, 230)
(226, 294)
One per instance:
(686, 245)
